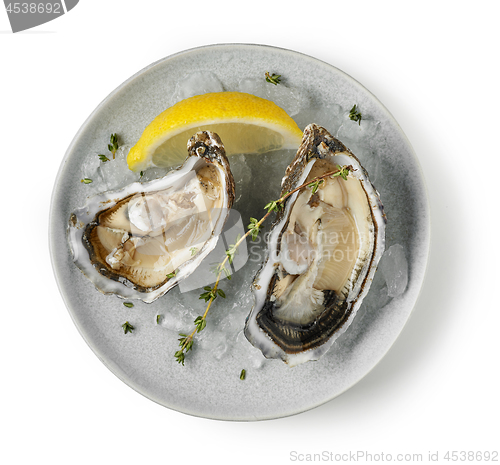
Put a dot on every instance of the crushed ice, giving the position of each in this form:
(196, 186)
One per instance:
(197, 83)
(112, 174)
(224, 332)
(394, 268)
(292, 100)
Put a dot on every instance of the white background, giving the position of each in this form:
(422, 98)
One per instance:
(435, 67)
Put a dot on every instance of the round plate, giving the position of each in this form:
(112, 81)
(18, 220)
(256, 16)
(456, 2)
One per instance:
(209, 384)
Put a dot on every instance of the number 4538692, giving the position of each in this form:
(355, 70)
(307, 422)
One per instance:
(471, 456)
(34, 8)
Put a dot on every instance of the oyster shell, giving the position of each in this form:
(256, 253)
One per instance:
(323, 251)
(142, 240)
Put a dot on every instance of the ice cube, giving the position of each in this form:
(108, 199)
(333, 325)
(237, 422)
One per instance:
(290, 99)
(91, 170)
(371, 163)
(381, 297)
(359, 147)
(171, 321)
(115, 172)
(377, 297)
(325, 115)
(394, 267)
(197, 83)
(355, 131)
(89, 166)
(153, 173)
(232, 323)
(252, 354)
(220, 350)
(178, 318)
(214, 342)
(242, 175)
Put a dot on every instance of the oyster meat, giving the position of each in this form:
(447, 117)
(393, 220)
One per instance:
(323, 251)
(141, 241)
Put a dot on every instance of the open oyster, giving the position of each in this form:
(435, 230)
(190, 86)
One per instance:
(323, 251)
(142, 240)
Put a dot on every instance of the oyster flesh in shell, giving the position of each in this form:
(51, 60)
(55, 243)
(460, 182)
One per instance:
(323, 251)
(140, 241)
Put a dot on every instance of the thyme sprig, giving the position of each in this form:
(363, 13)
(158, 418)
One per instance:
(210, 293)
(113, 145)
(186, 343)
(127, 327)
(273, 78)
(355, 115)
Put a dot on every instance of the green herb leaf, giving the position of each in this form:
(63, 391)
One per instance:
(355, 115)
(243, 374)
(315, 185)
(193, 251)
(270, 206)
(221, 293)
(209, 294)
(273, 78)
(343, 172)
(200, 324)
(220, 268)
(232, 250)
(254, 228)
(86, 181)
(275, 205)
(103, 158)
(127, 327)
(179, 355)
(226, 272)
(171, 275)
(128, 304)
(113, 145)
(158, 319)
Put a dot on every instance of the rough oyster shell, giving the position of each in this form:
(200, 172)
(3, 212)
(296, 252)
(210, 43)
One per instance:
(130, 242)
(323, 251)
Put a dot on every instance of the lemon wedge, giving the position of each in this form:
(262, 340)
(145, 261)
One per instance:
(245, 123)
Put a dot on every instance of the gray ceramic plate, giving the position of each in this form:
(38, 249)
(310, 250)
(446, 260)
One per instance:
(210, 381)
